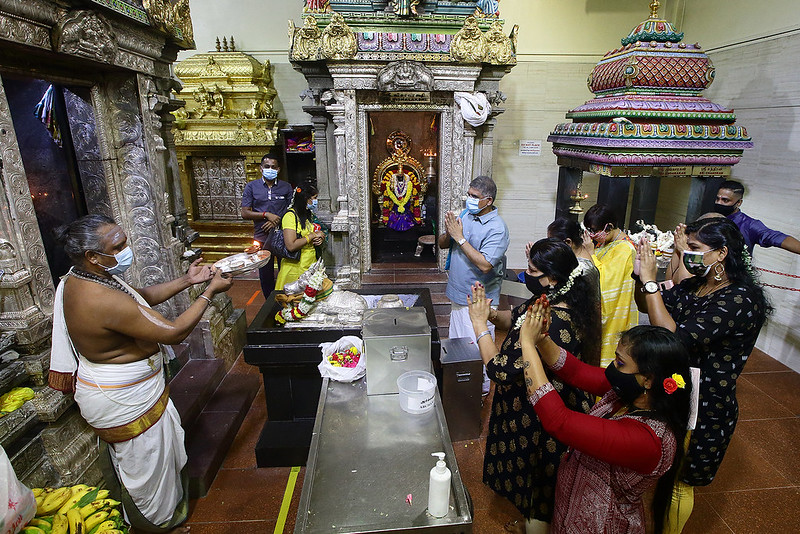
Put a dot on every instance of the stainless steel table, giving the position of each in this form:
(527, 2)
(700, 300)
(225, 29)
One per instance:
(366, 456)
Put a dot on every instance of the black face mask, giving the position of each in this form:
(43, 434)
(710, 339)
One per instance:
(624, 384)
(535, 286)
(722, 209)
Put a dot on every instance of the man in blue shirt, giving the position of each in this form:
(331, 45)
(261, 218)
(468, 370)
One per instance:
(264, 202)
(729, 198)
(478, 240)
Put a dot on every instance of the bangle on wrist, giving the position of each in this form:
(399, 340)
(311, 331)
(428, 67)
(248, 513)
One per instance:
(205, 298)
(263, 214)
(484, 333)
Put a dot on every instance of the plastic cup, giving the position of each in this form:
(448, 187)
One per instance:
(417, 391)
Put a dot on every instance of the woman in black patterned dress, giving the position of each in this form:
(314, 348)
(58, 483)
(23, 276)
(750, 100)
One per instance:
(521, 458)
(717, 313)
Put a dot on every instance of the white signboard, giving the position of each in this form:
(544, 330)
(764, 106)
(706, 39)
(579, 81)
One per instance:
(530, 147)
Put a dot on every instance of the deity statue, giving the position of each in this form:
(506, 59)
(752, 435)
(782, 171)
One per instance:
(400, 185)
(208, 101)
(469, 44)
(487, 8)
(305, 40)
(338, 40)
(405, 8)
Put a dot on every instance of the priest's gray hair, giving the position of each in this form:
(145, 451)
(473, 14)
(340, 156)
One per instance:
(486, 186)
(81, 235)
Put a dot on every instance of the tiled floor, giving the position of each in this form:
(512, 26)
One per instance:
(757, 489)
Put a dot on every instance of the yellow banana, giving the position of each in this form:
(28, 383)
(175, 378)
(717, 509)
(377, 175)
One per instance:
(78, 487)
(31, 530)
(60, 524)
(74, 498)
(115, 513)
(40, 523)
(94, 506)
(37, 491)
(102, 494)
(95, 519)
(54, 501)
(110, 531)
(75, 521)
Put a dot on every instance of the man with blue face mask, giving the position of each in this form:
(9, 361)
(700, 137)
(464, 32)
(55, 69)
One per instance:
(107, 347)
(478, 240)
(265, 201)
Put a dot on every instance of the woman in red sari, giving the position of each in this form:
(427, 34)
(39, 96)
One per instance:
(627, 442)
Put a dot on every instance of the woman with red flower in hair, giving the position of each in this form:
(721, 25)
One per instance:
(628, 442)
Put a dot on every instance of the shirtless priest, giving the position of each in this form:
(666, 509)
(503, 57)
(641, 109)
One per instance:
(106, 349)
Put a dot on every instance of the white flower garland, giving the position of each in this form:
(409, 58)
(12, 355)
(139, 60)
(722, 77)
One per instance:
(576, 272)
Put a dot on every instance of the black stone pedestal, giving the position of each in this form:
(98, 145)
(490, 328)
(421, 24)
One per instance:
(288, 360)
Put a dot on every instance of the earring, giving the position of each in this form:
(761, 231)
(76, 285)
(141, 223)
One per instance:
(719, 270)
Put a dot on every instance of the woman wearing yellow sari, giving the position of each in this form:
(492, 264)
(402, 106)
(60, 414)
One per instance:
(613, 256)
(300, 233)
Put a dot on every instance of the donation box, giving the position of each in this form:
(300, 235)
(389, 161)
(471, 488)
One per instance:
(396, 340)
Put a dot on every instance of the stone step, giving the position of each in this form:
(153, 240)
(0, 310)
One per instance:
(216, 427)
(443, 324)
(193, 386)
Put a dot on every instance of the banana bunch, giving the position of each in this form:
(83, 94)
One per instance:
(78, 509)
(14, 399)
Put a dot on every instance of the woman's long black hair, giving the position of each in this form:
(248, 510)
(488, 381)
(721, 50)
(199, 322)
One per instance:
(557, 260)
(659, 354)
(720, 232)
(302, 194)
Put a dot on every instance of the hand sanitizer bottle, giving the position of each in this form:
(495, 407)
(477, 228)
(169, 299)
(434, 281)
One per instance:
(439, 488)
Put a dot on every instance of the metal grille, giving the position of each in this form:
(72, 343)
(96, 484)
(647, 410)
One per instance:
(219, 184)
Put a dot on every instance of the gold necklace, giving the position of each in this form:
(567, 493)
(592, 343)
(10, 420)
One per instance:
(700, 293)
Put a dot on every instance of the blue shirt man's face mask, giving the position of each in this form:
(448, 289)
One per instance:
(269, 170)
(473, 202)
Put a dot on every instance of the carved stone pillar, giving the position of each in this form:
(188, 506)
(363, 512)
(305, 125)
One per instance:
(26, 286)
(341, 222)
(320, 119)
(135, 182)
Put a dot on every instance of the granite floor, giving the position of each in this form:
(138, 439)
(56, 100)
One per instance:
(757, 489)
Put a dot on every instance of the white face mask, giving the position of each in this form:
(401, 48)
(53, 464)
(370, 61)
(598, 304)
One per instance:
(124, 260)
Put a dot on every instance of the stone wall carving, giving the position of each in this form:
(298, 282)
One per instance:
(132, 188)
(405, 76)
(23, 31)
(87, 153)
(25, 229)
(86, 34)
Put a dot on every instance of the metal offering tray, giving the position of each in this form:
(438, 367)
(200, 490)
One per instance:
(243, 262)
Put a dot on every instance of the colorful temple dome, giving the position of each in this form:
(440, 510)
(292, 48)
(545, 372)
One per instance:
(649, 110)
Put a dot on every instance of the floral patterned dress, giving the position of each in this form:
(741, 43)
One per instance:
(521, 459)
(720, 331)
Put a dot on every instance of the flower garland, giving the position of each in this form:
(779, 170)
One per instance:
(748, 263)
(401, 203)
(576, 272)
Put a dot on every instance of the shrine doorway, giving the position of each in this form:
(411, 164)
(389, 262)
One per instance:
(44, 127)
(404, 186)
